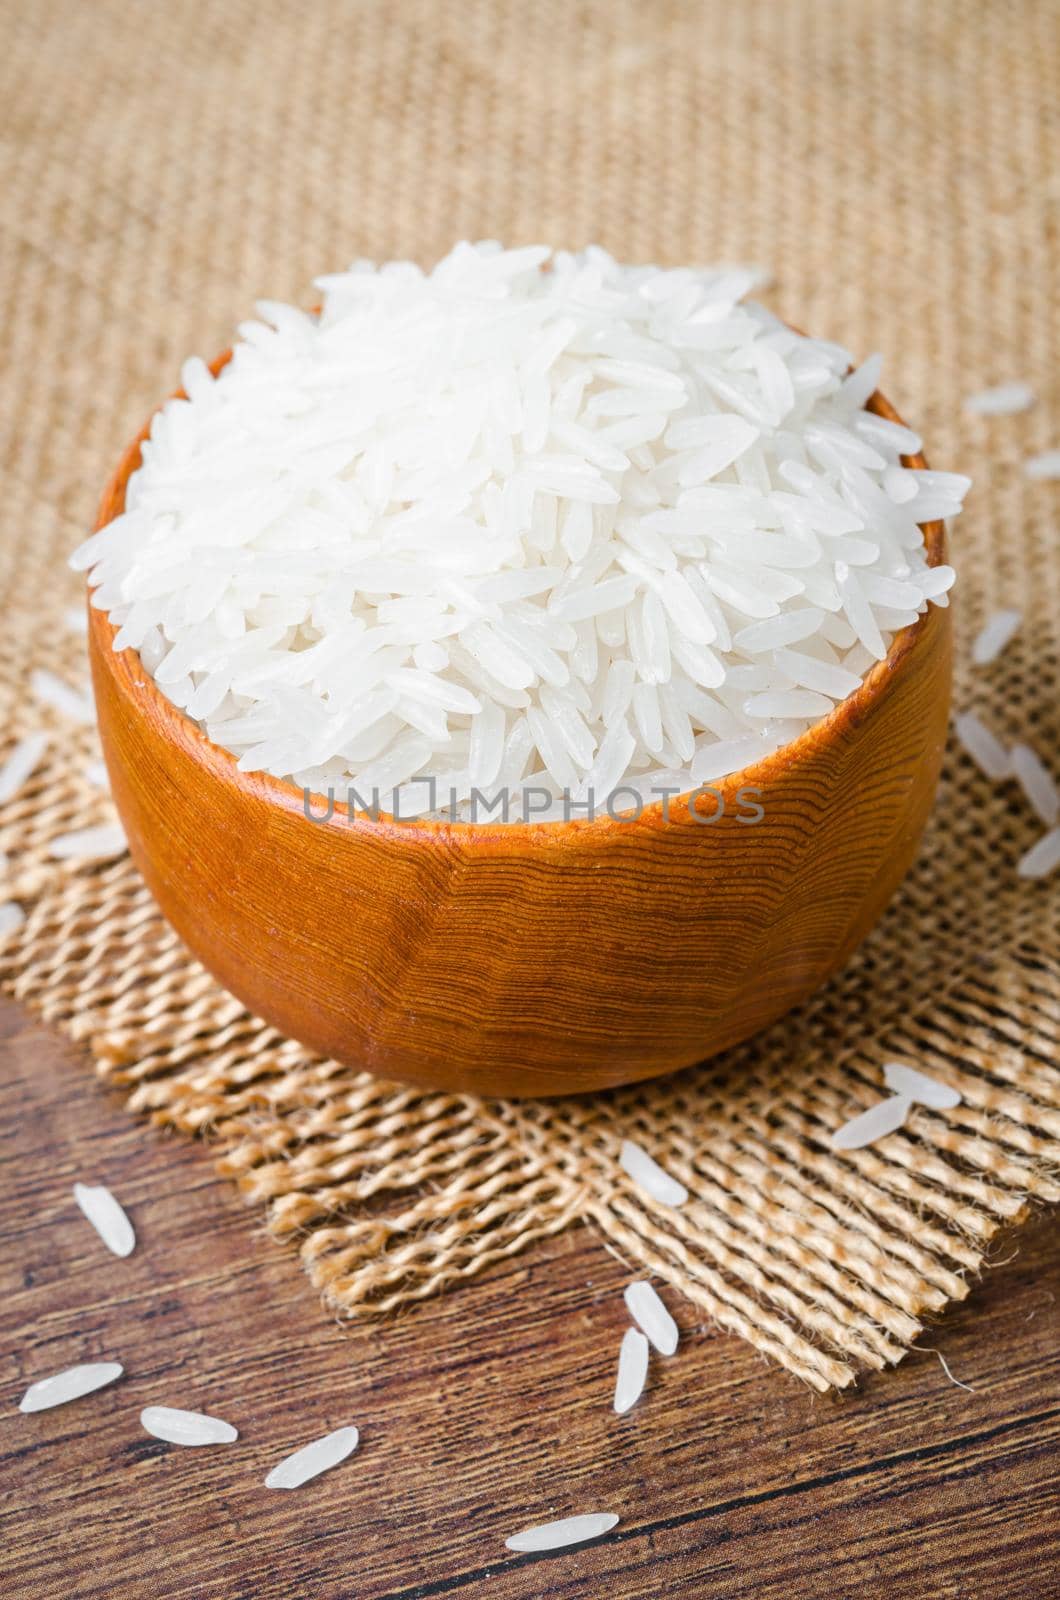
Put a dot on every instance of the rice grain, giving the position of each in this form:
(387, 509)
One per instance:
(560, 1535)
(21, 764)
(989, 754)
(70, 1384)
(313, 1459)
(49, 690)
(919, 1087)
(652, 1317)
(189, 1428)
(1044, 466)
(1043, 857)
(1003, 400)
(879, 1120)
(107, 1217)
(649, 1176)
(1036, 782)
(100, 843)
(632, 1370)
(994, 636)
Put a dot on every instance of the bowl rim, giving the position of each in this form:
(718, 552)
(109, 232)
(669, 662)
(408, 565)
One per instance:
(671, 811)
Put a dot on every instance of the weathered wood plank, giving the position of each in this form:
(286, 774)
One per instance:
(480, 1412)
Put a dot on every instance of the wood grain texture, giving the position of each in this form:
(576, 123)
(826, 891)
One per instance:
(531, 959)
(479, 1412)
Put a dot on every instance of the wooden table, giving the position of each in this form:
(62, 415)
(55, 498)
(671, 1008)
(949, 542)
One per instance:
(480, 1413)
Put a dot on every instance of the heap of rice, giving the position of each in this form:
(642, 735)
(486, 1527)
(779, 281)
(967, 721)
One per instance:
(529, 520)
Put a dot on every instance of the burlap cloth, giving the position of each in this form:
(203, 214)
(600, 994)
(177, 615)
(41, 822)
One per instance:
(163, 166)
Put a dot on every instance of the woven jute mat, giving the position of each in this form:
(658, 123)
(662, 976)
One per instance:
(894, 167)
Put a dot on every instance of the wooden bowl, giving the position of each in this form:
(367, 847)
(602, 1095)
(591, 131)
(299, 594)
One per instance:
(530, 958)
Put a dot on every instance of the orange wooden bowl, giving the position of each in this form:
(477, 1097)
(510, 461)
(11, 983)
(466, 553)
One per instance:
(530, 958)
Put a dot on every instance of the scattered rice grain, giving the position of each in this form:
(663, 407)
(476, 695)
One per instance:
(49, 690)
(919, 1087)
(1037, 783)
(1044, 466)
(651, 1316)
(107, 1217)
(989, 754)
(632, 1370)
(649, 1176)
(21, 764)
(313, 1459)
(879, 1120)
(1042, 858)
(69, 1385)
(186, 1427)
(559, 1535)
(994, 636)
(1003, 400)
(100, 843)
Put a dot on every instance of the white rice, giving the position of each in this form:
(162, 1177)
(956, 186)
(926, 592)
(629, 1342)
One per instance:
(985, 749)
(12, 917)
(494, 525)
(649, 1176)
(558, 1535)
(879, 1120)
(186, 1427)
(924, 1090)
(75, 619)
(100, 843)
(652, 1317)
(1042, 858)
(23, 761)
(1037, 783)
(994, 636)
(69, 1385)
(1004, 399)
(313, 1459)
(632, 1370)
(1044, 466)
(107, 1217)
(49, 690)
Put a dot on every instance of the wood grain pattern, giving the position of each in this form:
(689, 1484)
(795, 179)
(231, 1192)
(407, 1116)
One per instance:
(530, 959)
(479, 1412)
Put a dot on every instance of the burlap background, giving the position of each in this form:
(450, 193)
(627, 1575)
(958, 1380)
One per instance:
(894, 166)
